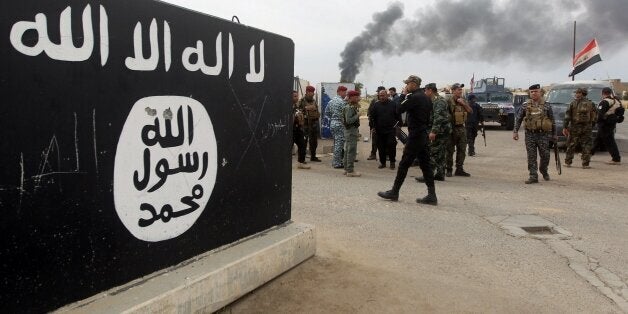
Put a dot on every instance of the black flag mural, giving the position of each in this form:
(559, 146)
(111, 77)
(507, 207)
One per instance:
(589, 55)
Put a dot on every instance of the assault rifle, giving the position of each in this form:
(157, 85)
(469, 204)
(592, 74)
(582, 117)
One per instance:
(483, 133)
(401, 135)
(556, 156)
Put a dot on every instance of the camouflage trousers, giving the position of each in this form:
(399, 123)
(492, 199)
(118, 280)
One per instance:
(537, 142)
(458, 141)
(579, 135)
(338, 132)
(438, 153)
(351, 147)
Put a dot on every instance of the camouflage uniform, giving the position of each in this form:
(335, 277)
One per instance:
(579, 120)
(333, 112)
(311, 124)
(536, 137)
(441, 126)
(458, 138)
(352, 124)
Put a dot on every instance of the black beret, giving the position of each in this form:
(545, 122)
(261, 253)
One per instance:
(535, 86)
(607, 90)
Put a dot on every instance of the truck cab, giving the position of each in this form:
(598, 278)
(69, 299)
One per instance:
(496, 101)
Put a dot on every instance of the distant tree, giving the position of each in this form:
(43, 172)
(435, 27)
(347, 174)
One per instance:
(358, 86)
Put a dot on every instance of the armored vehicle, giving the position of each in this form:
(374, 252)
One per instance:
(496, 101)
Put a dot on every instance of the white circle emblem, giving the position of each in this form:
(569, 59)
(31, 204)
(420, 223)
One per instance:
(165, 167)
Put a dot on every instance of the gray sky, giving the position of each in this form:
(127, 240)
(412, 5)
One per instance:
(443, 42)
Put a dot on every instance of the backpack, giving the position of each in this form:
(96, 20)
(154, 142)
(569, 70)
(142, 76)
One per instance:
(616, 111)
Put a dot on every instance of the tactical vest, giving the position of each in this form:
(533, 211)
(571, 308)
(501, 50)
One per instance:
(584, 112)
(458, 113)
(535, 119)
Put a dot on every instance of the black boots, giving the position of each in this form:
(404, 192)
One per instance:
(430, 199)
(461, 172)
(389, 195)
(532, 180)
(449, 174)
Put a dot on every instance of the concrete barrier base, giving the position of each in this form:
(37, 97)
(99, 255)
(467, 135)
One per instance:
(210, 281)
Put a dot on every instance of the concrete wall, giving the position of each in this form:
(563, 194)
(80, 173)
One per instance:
(135, 135)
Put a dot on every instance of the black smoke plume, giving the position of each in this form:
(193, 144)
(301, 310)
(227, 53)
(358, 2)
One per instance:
(537, 33)
(374, 38)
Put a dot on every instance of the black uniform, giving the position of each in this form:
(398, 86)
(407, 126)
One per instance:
(606, 128)
(419, 109)
(384, 117)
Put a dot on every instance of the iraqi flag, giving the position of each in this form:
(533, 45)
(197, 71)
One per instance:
(586, 57)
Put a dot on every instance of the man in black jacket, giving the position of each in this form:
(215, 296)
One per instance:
(371, 126)
(419, 109)
(606, 121)
(384, 117)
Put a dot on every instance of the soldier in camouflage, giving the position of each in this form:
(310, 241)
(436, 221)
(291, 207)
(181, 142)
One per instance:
(333, 112)
(540, 127)
(580, 117)
(440, 132)
(459, 109)
(351, 120)
(309, 107)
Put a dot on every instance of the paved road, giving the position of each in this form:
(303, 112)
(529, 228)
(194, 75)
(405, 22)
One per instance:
(375, 256)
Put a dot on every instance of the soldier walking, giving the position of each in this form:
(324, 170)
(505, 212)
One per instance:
(459, 109)
(540, 126)
(610, 113)
(352, 124)
(333, 112)
(580, 117)
(419, 109)
(439, 134)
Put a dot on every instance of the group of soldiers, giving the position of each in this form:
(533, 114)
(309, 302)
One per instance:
(580, 117)
(438, 127)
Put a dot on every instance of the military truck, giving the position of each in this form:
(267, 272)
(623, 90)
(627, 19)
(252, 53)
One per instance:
(496, 101)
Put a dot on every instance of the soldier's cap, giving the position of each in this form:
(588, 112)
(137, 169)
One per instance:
(310, 88)
(352, 93)
(380, 88)
(431, 86)
(413, 78)
(341, 88)
(607, 91)
(456, 86)
(582, 91)
(535, 86)
(471, 96)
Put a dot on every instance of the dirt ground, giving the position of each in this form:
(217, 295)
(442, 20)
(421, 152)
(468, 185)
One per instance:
(376, 256)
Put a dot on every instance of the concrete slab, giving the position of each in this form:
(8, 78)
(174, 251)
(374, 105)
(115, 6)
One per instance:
(212, 280)
(514, 225)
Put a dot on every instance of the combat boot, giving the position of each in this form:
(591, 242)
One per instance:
(420, 179)
(430, 198)
(532, 180)
(371, 157)
(353, 174)
(389, 195)
(546, 176)
(439, 177)
(302, 165)
(449, 174)
(461, 172)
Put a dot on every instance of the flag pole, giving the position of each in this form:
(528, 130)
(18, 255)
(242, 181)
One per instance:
(573, 55)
